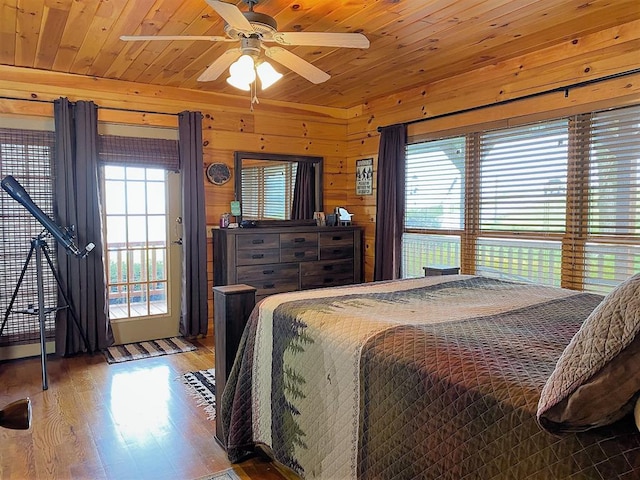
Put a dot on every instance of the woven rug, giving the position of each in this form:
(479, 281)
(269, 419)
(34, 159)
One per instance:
(152, 348)
(202, 386)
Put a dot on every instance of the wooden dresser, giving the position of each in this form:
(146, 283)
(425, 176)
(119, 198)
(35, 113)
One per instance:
(284, 259)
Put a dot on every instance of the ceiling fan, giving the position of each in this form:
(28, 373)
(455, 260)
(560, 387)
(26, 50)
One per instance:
(253, 30)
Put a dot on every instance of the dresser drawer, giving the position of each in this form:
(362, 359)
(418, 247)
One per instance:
(257, 256)
(336, 252)
(298, 247)
(336, 239)
(258, 241)
(326, 274)
(300, 254)
(299, 240)
(271, 278)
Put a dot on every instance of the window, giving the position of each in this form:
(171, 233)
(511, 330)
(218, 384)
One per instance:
(612, 249)
(555, 202)
(522, 202)
(434, 198)
(27, 155)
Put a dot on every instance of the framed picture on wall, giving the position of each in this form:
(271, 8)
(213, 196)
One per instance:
(364, 176)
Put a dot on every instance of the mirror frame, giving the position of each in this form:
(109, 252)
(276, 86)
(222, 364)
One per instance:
(238, 156)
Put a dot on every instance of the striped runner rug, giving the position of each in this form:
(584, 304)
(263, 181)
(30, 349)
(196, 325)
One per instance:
(202, 386)
(148, 349)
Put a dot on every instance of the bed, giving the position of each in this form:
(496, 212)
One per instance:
(452, 377)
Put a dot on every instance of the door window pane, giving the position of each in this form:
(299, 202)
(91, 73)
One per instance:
(136, 232)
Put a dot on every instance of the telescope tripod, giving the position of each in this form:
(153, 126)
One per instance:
(40, 247)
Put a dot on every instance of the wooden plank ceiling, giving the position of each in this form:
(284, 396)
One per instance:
(413, 42)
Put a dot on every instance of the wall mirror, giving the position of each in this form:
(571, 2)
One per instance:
(278, 187)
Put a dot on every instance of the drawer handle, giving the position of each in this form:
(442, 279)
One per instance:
(328, 280)
(337, 250)
(336, 238)
(328, 267)
(257, 255)
(267, 272)
(257, 241)
(298, 254)
(299, 239)
(269, 285)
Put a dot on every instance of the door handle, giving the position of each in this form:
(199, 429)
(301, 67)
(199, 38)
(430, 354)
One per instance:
(177, 226)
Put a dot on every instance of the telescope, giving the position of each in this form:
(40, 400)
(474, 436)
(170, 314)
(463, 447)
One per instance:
(18, 415)
(63, 235)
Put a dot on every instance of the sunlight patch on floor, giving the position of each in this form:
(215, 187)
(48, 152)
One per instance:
(140, 403)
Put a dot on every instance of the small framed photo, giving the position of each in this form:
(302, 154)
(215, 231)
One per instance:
(320, 219)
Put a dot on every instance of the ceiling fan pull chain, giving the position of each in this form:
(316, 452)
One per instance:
(254, 94)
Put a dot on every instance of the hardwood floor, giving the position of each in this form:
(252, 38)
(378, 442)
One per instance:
(132, 420)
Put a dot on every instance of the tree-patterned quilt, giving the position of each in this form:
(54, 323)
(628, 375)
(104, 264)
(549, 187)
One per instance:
(437, 377)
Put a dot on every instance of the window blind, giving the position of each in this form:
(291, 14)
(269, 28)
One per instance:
(252, 192)
(434, 188)
(27, 155)
(523, 178)
(612, 247)
(140, 152)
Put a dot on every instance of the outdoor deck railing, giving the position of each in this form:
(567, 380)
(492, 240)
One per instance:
(131, 271)
(521, 260)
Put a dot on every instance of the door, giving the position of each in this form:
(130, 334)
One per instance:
(141, 208)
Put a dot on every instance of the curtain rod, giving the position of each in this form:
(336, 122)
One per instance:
(99, 107)
(564, 89)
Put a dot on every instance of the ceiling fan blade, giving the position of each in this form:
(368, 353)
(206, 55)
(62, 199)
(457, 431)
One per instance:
(130, 38)
(223, 62)
(324, 39)
(232, 15)
(297, 64)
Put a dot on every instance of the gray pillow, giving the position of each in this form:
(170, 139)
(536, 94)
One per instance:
(596, 380)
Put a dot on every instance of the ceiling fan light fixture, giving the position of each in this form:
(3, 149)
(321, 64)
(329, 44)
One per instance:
(243, 68)
(242, 73)
(267, 74)
(239, 82)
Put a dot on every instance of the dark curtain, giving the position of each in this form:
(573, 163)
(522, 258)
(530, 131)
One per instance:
(77, 203)
(194, 318)
(304, 194)
(390, 203)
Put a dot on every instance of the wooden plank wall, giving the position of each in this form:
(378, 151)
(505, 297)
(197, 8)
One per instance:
(576, 60)
(228, 124)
